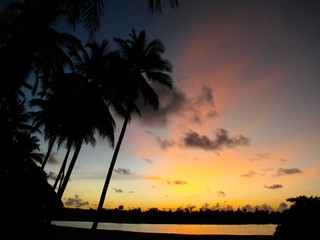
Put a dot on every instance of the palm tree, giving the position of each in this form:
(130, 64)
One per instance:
(82, 113)
(19, 173)
(17, 141)
(155, 5)
(27, 35)
(29, 44)
(91, 69)
(144, 64)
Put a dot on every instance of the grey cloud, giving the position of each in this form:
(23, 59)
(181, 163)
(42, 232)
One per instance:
(53, 158)
(163, 143)
(274, 186)
(76, 202)
(250, 173)
(221, 194)
(175, 102)
(118, 190)
(288, 171)
(250, 208)
(222, 138)
(260, 156)
(52, 175)
(204, 99)
(172, 101)
(147, 160)
(122, 171)
(177, 182)
(282, 206)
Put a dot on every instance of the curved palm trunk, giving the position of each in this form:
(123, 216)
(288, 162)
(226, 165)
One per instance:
(51, 143)
(108, 178)
(70, 168)
(62, 169)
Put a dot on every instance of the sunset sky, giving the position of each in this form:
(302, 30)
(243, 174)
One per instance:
(241, 125)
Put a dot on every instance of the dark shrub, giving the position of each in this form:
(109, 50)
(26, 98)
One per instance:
(301, 220)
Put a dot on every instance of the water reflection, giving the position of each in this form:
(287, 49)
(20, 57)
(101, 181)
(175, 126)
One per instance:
(248, 229)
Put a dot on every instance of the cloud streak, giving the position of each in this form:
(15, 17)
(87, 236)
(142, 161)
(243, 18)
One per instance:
(274, 186)
(118, 190)
(122, 171)
(250, 173)
(288, 171)
(177, 182)
(221, 194)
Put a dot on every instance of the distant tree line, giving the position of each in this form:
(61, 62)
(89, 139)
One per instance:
(300, 221)
(154, 215)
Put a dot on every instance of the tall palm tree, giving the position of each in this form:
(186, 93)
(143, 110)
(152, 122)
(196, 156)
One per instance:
(92, 67)
(144, 64)
(61, 174)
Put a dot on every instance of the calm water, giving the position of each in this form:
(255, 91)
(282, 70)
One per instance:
(249, 229)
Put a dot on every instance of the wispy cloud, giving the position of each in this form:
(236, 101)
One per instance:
(260, 156)
(163, 143)
(287, 171)
(122, 171)
(53, 158)
(52, 175)
(118, 190)
(177, 182)
(221, 194)
(221, 139)
(274, 186)
(147, 160)
(202, 106)
(250, 173)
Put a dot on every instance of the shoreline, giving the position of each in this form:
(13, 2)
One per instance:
(67, 233)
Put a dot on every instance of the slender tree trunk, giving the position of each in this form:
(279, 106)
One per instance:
(70, 168)
(62, 169)
(108, 178)
(51, 143)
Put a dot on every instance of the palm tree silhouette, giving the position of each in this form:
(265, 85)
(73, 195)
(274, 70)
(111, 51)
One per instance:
(144, 64)
(29, 44)
(17, 141)
(82, 114)
(155, 5)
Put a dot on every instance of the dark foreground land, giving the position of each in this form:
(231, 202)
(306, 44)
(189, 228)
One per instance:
(67, 233)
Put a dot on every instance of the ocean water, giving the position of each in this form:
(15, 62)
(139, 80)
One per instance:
(243, 229)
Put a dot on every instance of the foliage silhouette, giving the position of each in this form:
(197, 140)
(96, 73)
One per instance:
(34, 55)
(19, 175)
(177, 216)
(155, 5)
(301, 220)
